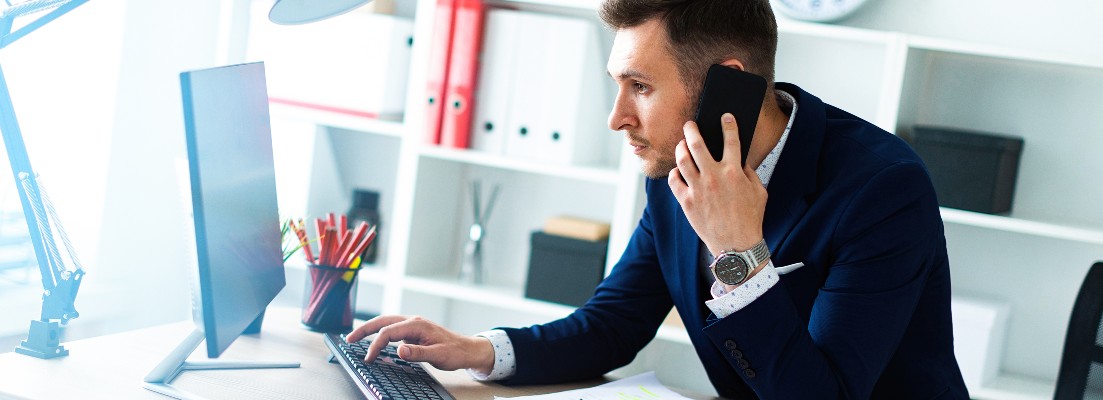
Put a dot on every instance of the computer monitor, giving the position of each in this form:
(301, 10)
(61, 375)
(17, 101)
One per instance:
(237, 232)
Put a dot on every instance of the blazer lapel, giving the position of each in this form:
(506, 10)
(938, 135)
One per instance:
(794, 179)
(689, 254)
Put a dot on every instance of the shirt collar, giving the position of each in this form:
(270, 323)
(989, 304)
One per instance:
(766, 169)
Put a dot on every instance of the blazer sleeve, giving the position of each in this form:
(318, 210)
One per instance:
(606, 332)
(886, 243)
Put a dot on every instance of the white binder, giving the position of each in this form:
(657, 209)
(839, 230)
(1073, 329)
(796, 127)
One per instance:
(570, 128)
(555, 100)
(358, 63)
(496, 74)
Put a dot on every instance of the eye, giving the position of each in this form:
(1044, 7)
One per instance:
(640, 88)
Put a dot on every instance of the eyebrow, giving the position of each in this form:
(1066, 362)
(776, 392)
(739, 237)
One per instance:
(629, 73)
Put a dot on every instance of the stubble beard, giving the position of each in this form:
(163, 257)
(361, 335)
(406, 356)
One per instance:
(660, 167)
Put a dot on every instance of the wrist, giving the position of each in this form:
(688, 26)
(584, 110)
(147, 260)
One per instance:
(728, 288)
(733, 246)
(733, 267)
(484, 355)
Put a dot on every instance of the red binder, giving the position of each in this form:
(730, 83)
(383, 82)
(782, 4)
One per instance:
(462, 70)
(439, 55)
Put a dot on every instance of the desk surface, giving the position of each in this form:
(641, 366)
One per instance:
(112, 367)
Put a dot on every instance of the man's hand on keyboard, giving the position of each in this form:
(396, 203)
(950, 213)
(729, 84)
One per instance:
(425, 341)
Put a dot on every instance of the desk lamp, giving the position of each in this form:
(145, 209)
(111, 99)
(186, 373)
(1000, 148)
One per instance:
(294, 12)
(59, 283)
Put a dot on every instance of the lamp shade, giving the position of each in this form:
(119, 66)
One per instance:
(293, 12)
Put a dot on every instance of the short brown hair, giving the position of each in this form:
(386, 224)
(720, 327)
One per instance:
(705, 32)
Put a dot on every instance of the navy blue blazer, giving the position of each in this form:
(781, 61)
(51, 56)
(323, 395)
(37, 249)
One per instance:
(867, 316)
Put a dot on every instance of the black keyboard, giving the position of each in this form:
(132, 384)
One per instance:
(389, 377)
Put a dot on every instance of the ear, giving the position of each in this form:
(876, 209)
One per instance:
(733, 63)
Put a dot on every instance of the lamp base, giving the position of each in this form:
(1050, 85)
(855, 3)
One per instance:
(43, 341)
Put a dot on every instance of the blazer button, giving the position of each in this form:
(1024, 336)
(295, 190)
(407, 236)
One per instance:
(737, 354)
(749, 373)
(743, 364)
(730, 344)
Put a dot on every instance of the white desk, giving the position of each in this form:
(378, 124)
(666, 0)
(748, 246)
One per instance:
(112, 367)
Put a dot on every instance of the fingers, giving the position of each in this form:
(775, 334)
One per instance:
(409, 330)
(684, 162)
(676, 181)
(732, 149)
(372, 326)
(697, 151)
(416, 353)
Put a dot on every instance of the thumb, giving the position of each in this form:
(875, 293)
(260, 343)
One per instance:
(413, 352)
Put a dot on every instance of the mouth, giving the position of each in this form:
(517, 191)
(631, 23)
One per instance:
(637, 147)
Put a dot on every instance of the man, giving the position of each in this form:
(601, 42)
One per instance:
(845, 288)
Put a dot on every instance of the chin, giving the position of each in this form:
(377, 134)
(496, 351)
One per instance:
(654, 170)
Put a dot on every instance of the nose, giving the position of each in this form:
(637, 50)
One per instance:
(623, 116)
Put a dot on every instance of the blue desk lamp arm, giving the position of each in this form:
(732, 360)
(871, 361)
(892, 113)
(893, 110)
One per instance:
(59, 285)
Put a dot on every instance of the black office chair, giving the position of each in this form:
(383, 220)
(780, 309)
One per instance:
(1084, 342)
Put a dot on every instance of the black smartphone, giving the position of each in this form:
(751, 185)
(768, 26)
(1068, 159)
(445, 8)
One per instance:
(729, 90)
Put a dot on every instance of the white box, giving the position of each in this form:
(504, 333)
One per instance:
(979, 330)
(356, 63)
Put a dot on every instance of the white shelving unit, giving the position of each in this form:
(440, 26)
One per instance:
(1033, 259)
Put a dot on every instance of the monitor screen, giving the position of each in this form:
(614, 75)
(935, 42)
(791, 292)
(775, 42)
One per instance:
(233, 187)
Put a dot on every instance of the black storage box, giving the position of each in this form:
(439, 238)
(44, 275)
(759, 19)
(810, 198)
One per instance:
(564, 270)
(971, 170)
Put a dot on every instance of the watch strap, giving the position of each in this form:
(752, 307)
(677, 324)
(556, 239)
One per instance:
(759, 253)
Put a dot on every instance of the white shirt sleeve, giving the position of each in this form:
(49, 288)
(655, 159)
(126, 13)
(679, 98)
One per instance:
(722, 304)
(505, 363)
(725, 304)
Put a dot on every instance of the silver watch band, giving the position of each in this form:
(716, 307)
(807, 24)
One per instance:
(759, 253)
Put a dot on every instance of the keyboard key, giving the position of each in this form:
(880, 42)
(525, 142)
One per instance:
(389, 377)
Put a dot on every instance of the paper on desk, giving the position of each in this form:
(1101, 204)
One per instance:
(644, 386)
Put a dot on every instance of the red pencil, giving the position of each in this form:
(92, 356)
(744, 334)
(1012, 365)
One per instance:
(360, 246)
(342, 225)
(350, 244)
(320, 226)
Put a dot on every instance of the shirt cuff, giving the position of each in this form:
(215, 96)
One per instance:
(505, 363)
(725, 304)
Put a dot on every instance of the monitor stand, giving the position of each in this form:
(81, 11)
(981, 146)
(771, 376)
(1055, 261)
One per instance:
(159, 380)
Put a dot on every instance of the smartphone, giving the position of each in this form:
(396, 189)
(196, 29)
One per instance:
(729, 90)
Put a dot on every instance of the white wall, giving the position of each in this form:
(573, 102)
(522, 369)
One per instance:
(1067, 28)
(145, 253)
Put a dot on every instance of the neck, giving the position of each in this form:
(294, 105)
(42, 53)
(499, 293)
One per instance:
(771, 124)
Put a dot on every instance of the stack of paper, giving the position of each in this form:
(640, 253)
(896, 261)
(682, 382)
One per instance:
(644, 386)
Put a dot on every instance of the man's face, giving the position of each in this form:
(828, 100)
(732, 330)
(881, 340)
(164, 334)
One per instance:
(652, 102)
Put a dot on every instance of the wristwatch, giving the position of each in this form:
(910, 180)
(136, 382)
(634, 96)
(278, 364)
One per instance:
(733, 267)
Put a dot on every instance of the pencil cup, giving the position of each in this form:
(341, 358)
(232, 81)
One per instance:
(329, 299)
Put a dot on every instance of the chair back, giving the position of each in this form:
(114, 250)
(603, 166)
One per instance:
(1081, 374)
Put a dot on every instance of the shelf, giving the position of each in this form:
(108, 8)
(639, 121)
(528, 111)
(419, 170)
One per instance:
(607, 176)
(337, 119)
(837, 32)
(1014, 387)
(507, 298)
(586, 5)
(1017, 225)
(981, 50)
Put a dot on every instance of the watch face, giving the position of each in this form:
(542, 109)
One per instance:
(817, 10)
(731, 269)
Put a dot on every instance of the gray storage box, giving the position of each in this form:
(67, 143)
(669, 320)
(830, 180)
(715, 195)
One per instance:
(564, 270)
(971, 170)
